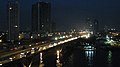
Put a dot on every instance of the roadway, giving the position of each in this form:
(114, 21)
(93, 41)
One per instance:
(31, 49)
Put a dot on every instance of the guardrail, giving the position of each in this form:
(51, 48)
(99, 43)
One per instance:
(31, 49)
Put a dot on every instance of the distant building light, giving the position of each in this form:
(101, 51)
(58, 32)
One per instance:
(63, 36)
(10, 8)
(31, 37)
(16, 26)
(19, 43)
(3, 33)
(91, 32)
(19, 37)
(58, 33)
(56, 38)
(38, 34)
(42, 25)
(33, 48)
(70, 35)
(66, 36)
(91, 25)
(49, 34)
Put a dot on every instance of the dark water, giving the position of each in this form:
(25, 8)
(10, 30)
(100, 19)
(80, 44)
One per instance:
(70, 56)
(79, 57)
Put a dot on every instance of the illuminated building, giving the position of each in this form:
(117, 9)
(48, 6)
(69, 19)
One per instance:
(41, 12)
(13, 19)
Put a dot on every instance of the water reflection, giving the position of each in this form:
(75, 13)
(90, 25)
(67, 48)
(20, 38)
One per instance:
(109, 58)
(89, 56)
(41, 60)
(85, 56)
(58, 64)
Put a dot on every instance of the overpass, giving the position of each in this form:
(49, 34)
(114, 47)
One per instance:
(11, 56)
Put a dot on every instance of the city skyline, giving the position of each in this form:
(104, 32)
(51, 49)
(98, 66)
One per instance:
(59, 33)
(41, 18)
(13, 19)
(70, 14)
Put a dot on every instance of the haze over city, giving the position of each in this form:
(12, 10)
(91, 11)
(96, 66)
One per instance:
(70, 13)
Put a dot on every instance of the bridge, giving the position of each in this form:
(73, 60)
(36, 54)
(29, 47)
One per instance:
(23, 58)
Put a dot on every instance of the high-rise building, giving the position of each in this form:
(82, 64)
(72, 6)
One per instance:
(90, 24)
(13, 19)
(93, 25)
(41, 13)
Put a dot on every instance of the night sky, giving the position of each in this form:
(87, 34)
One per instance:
(70, 13)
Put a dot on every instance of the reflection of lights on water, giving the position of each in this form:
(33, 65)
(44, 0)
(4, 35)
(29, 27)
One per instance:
(109, 58)
(30, 65)
(89, 53)
(41, 60)
(89, 56)
(58, 61)
(58, 64)
(89, 47)
(41, 65)
(58, 54)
